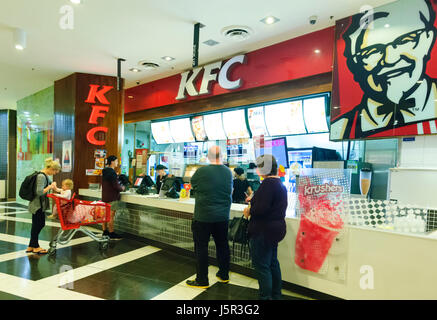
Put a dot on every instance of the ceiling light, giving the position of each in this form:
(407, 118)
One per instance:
(130, 97)
(167, 58)
(19, 39)
(269, 20)
(134, 70)
(317, 51)
(387, 25)
(75, 1)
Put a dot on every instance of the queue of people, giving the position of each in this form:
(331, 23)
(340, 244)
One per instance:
(215, 188)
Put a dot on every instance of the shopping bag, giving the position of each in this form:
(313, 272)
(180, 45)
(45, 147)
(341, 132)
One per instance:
(238, 233)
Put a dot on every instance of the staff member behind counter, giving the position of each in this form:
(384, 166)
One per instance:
(162, 175)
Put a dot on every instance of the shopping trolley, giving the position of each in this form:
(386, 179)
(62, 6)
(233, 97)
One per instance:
(74, 215)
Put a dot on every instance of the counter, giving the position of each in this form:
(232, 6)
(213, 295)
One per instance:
(365, 263)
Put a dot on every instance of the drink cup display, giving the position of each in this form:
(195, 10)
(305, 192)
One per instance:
(365, 180)
(320, 224)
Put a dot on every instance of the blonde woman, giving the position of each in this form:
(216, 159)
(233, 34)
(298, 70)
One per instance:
(41, 203)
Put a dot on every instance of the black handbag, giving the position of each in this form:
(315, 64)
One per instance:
(238, 233)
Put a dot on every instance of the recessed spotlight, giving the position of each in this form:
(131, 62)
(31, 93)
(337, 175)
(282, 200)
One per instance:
(386, 25)
(76, 1)
(130, 97)
(134, 70)
(269, 20)
(167, 58)
(317, 51)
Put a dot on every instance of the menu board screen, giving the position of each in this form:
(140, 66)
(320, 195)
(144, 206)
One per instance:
(181, 130)
(315, 115)
(214, 126)
(234, 123)
(276, 147)
(285, 118)
(256, 121)
(198, 128)
(161, 132)
(300, 159)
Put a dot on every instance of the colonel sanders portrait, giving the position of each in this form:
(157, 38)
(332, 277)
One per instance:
(387, 51)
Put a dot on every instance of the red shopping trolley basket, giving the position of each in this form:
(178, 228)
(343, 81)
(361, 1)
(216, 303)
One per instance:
(74, 213)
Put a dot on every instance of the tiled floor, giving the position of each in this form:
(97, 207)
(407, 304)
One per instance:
(126, 270)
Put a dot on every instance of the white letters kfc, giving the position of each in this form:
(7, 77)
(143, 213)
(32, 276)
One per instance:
(187, 80)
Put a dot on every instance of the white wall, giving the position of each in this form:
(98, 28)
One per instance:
(421, 153)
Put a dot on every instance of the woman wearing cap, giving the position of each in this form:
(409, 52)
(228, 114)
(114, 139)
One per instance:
(111, 189)
(242, 189)
(267, 227)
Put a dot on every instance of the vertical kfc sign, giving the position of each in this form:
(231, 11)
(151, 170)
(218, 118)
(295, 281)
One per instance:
(98, 111)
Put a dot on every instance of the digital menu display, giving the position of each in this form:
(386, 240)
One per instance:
(315, 115)
(256, 121)
(234, 123)
(277, 148)
(214, 126)
(181, 130)
(285, 118)
(198, 128)
(161, 132)
(191, 151)
(300, 159)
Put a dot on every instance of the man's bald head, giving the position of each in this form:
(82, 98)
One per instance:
(215, 155)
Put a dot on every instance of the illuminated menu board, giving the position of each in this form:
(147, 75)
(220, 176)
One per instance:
(214, 126)
(285, 118)
(315, 115)
(256, 121)
(181, 130)
(198, 128)
(161, 132)
(234, 123)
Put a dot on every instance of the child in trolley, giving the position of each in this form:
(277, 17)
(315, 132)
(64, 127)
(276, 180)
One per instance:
(65, 192)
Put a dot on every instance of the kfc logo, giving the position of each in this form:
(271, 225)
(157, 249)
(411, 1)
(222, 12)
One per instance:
(388, 58)
(188, 78)
(97, 112)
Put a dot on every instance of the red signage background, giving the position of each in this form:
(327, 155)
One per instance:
(288, 60)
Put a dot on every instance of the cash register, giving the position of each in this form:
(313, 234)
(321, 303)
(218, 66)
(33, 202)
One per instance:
(143, 184)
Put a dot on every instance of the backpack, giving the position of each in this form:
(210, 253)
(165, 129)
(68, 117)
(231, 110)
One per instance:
(28, 186)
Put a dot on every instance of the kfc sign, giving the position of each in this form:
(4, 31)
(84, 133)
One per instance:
(188, 79)
(98, 111)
